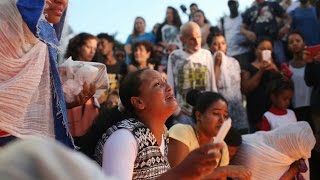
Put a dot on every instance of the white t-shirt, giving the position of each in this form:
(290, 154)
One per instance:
(293, 6)
(233, 35)
(229, 84)
(302, 92)
(190, 71)
(119, 153)
(170, 35)
(276, 121)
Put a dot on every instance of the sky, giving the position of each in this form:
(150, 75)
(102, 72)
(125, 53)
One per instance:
(117, 16)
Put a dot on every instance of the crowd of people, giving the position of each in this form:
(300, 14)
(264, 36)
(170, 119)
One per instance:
(170, 91)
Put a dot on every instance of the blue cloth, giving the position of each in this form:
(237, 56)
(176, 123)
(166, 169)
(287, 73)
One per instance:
(31, 12)
(305, 20)
(143, 37)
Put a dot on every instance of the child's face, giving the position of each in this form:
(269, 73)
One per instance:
(295, 43)
(282, 100)
(232, 151)
(112, 101)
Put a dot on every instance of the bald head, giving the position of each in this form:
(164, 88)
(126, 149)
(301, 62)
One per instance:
(189, 27)
(191, 37)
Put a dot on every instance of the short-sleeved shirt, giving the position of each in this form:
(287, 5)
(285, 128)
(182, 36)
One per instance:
(143, 37)
(261, 18)
(305, 20)
(114, 74)
(186, 134)
(233, 36)
(190, 71)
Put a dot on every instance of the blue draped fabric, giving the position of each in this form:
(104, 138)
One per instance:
(31, 11)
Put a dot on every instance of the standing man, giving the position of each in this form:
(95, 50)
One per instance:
(190, 68)
(260, 21)
(230, 27)
(106, 56)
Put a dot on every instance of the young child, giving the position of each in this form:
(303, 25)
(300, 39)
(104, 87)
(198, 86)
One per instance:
(112, 100)
(281, 92)
(233, 141)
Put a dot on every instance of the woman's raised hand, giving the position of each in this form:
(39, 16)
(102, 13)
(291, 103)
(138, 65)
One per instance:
(87, 92)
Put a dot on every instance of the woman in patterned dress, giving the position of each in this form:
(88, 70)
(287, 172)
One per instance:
(136, 147)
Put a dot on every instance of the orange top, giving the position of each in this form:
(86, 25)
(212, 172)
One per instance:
(81, 118)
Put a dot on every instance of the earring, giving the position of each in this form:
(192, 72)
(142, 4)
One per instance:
(45, 14)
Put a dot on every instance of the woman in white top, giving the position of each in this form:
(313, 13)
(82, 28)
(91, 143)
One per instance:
(169, 30)
(302, 93)
(136, 147)
(228, 81)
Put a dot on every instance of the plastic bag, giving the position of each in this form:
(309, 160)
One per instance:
(75, 73)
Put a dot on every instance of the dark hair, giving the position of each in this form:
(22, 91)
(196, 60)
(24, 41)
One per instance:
(206, 21)
(295, 32)
(202, 101)
(134, 31)
(147, 45)
(130, 87)
(233, 137)
(193, 4)
(262, 39)
(214, 31)
(176, 22)
(176, 18)
(106, 36)
(278, 85)
(76, 43)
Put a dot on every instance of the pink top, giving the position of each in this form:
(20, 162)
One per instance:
(80, 120)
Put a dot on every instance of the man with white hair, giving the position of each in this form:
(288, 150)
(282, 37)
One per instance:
(190, 68)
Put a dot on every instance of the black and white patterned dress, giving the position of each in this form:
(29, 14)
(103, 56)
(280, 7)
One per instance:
(149, 163)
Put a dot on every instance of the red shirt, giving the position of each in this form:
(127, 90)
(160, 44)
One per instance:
(4, 134)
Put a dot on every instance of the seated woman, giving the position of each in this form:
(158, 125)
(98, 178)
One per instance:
(136, 147)
(209, 112)
(142, 52)
(270, 154)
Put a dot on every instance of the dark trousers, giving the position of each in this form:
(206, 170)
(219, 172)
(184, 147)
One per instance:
(315, 154)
